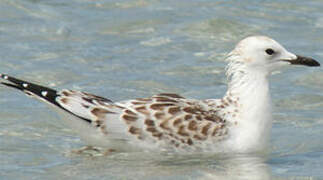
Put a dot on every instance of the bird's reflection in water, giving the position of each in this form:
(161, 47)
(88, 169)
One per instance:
(240, 167)
(157, 166)
(235, 167)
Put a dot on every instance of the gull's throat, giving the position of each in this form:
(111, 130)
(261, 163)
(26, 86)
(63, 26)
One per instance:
(254, 121)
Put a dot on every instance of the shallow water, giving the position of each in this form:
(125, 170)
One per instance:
(125, 49)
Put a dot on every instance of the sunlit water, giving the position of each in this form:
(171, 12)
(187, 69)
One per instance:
(125, 49)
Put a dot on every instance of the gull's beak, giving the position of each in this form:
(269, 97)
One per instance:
(301, 60)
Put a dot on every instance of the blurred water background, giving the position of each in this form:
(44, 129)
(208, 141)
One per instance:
(122, 49)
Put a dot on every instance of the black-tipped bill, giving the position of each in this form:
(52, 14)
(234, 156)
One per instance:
(301, 60)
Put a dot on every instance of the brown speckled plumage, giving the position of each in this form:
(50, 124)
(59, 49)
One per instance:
(164, 118)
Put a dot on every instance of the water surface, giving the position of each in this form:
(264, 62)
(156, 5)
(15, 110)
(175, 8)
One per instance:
(136, 48)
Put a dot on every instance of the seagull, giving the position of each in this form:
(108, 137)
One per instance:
(240, 122)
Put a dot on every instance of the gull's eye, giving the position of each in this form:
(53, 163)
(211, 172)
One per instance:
(270, 51)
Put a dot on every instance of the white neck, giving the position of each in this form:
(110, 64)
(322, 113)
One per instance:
(252, 126)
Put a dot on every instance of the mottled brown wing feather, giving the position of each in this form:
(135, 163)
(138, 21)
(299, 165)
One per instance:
(168, 118)
(173, 119)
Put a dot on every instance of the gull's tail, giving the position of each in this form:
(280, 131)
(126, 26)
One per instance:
(42, 93)
(87, 113)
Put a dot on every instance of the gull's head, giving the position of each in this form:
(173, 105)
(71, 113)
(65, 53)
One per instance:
(265, 54)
